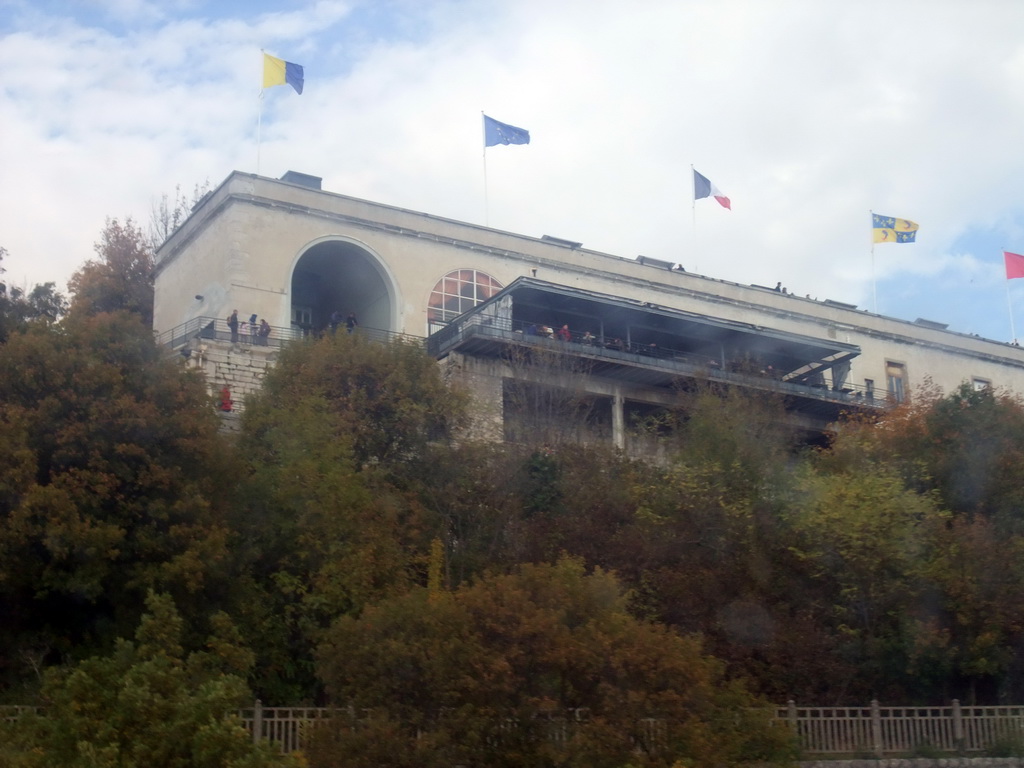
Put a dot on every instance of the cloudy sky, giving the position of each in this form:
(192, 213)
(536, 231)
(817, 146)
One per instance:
(808, 114)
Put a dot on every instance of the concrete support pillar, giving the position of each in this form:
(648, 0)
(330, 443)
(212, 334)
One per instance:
(618, 420)
(484, 380)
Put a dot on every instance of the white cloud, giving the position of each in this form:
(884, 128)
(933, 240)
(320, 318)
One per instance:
(807, 113)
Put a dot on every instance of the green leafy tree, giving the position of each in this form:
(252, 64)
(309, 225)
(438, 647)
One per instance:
(43, 303)
(745, 439)
(12, 314)
(967, 446)
(866, 543)
(325, 521)
(963, 451)
(977, 640)
(120, 278)
(543, 666)
(111, 483)
(388, 401)
(147, 705)
(46, 303)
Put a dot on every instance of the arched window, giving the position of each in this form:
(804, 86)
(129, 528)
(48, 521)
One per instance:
(458, 292)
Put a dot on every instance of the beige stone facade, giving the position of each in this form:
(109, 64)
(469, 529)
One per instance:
(294, 254)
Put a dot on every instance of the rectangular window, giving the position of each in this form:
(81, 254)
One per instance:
(869, 389)
(895, 378)
(980, 384)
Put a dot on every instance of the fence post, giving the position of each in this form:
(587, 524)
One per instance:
(257, 721)
(958, 727)
(876, 727)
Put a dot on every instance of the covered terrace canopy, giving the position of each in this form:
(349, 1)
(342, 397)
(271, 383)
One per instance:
(656, 331)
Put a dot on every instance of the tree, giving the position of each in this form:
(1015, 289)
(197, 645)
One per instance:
(12, 306)
(867, 542)
(543, 666)
(147, 705)
(46, 303)
(167, 215)
(112, 480)
(545, 397)
(42, 304)
(324, 522)
(744, 438)
(962, 452)
(388, 401)
(977, 639)
(121, 278)
(970, 446)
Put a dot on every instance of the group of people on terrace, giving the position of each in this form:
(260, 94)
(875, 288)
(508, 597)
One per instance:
(255, 332)
(350, 322)
(563, 333)
(744, 364)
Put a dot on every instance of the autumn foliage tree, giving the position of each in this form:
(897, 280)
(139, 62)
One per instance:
(110, 467)
(542, 666)
(120, 278)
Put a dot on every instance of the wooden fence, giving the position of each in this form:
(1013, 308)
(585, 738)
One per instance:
(284, 726)
(878, 731)
(874, 730)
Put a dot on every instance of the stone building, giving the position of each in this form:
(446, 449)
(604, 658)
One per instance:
(288, 252)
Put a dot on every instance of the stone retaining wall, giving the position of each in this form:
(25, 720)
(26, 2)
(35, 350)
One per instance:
(239, 367)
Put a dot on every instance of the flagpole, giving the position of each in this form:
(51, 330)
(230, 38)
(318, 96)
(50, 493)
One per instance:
(259, 117)
(693, 211)
(874, 285)
(487, 204)
(1009, 306)
(259, 129)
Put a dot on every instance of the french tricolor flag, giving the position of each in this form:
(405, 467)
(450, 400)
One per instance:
(702, 187)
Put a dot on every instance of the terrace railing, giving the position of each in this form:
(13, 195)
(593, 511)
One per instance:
(198, 329)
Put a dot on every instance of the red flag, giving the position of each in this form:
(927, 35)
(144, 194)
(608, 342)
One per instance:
(1014, 265)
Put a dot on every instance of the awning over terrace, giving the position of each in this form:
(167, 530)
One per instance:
(652, 345)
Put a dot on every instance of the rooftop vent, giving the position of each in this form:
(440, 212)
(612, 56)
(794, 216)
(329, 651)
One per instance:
(843, 304)
(559, 241)
(931, 324)
(659, 263)
(303, 179)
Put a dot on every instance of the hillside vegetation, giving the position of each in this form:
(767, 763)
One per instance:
(349, 547)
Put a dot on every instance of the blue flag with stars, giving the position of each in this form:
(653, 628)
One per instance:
(503, 133)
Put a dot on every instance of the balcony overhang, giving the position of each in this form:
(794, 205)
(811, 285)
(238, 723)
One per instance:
(647, 345)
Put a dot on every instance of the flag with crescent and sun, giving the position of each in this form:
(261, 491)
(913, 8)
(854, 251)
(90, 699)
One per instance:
(887, 229)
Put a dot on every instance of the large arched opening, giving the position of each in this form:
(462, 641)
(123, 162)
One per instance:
(340, 276)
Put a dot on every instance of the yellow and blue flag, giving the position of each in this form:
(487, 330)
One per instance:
(887, 229)
(280, 72)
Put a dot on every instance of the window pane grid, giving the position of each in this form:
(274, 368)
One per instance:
(459, 291)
